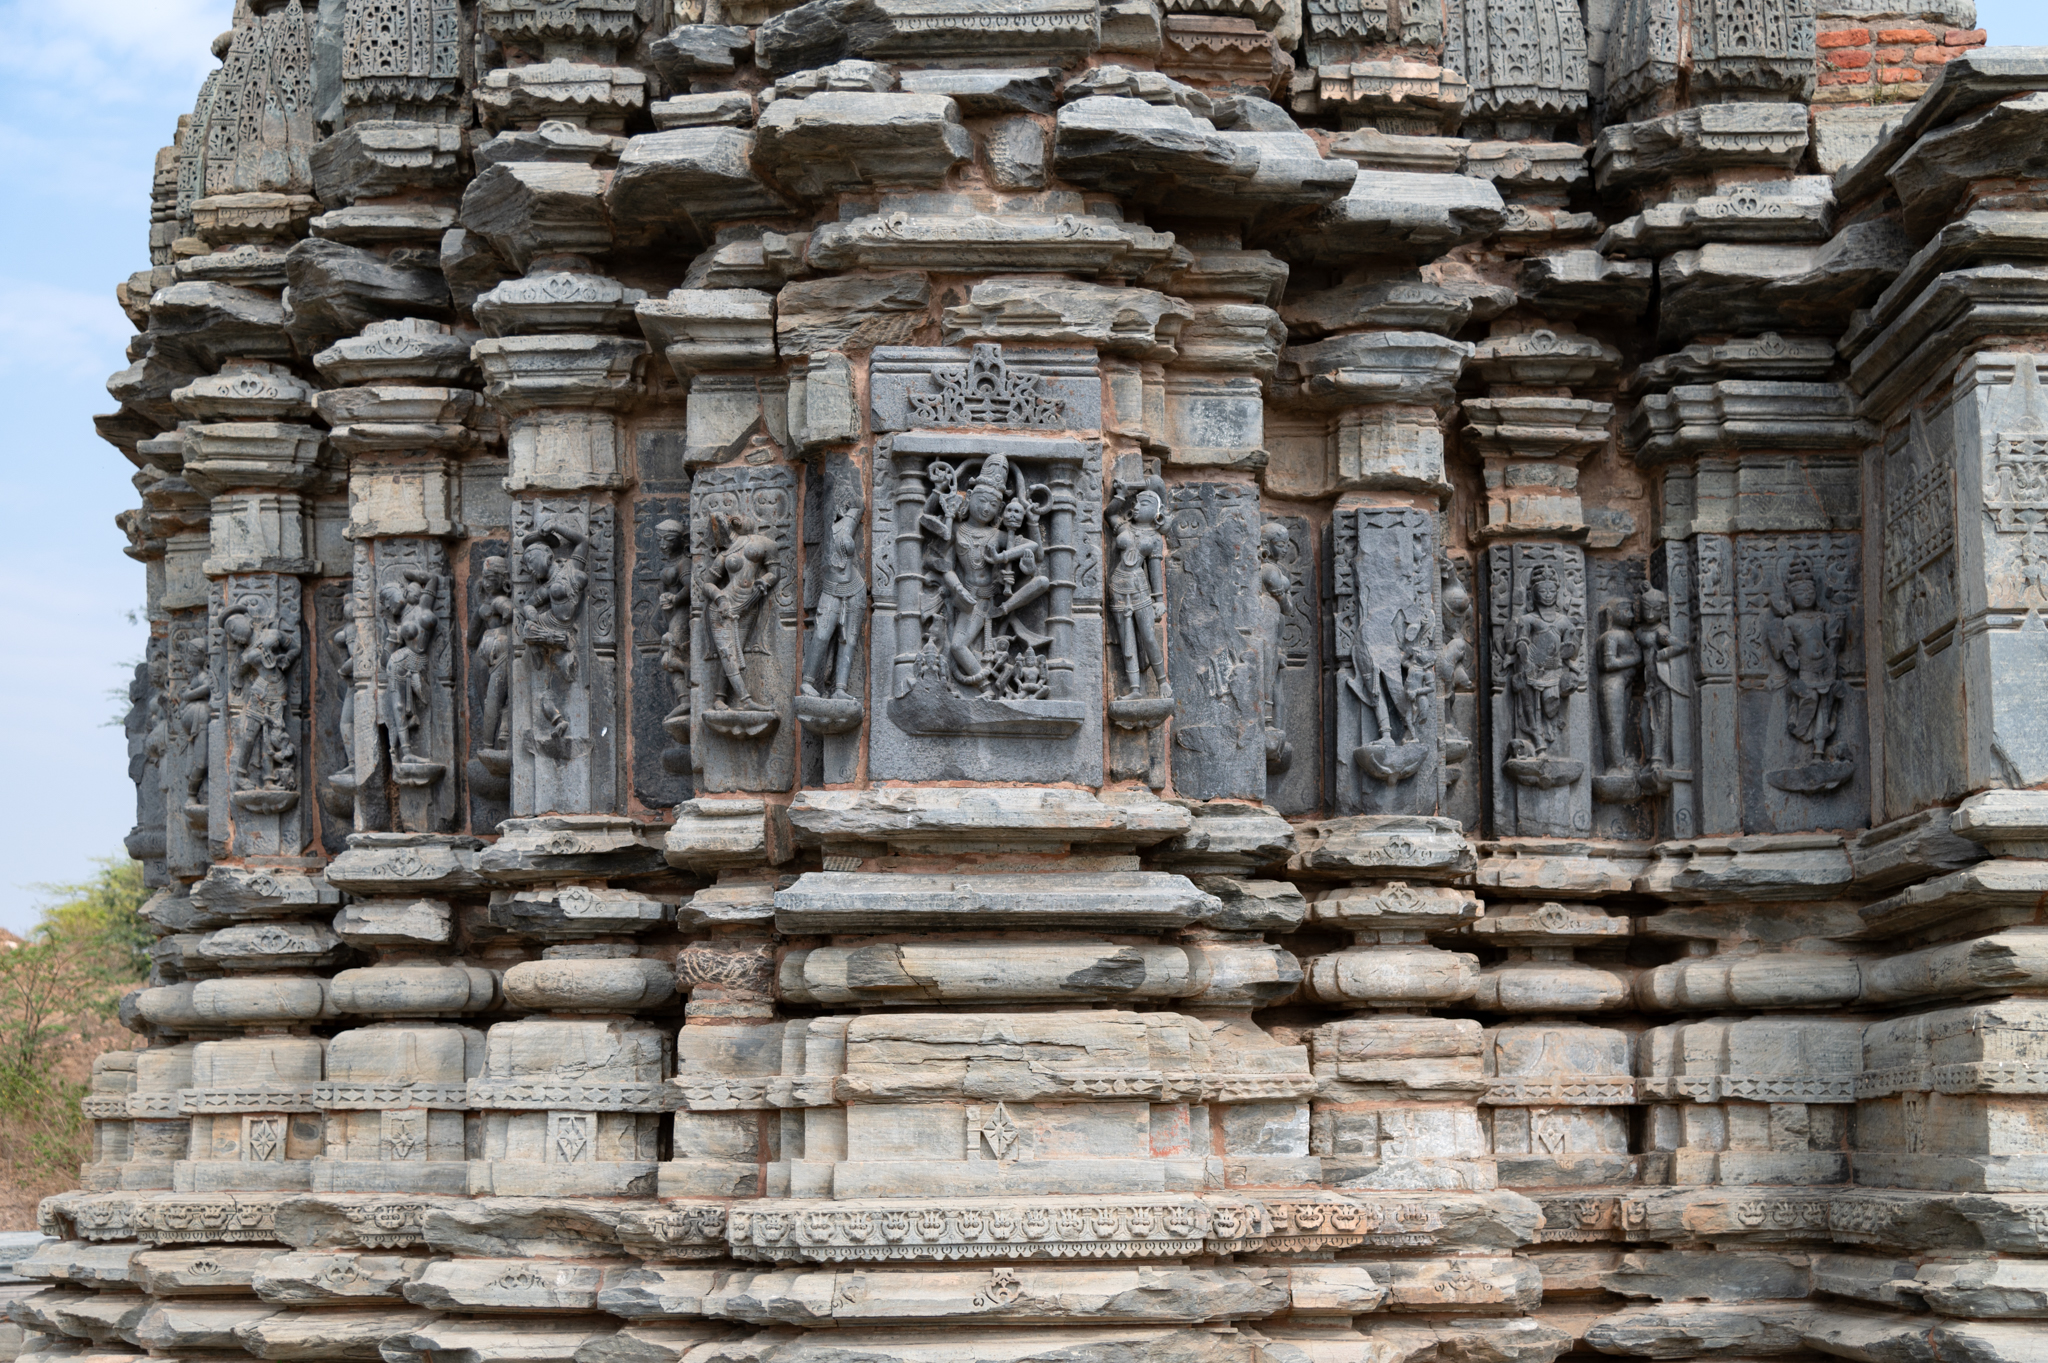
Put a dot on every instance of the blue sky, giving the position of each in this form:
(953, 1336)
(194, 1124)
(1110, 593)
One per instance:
(89, 89)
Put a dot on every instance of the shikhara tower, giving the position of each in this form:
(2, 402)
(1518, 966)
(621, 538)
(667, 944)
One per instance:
(1085, 681)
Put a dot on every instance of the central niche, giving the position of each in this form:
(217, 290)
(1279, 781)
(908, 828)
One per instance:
(987, 585)
(988, 626)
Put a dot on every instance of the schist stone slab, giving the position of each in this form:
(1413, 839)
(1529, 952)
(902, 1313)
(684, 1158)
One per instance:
(1079, 681)
(858, 902)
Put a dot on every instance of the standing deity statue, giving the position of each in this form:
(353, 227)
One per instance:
(556, 557)
(672, 538)
(985, 545)
(841, 598)
(1620, 660)
(265, 752)
(1274, 586)
(408, 693)
(1546, 667)
(1137, 581)
(741, 574)
(1392, 674)
(1663, 674)
(1806, 638)
(490, 643)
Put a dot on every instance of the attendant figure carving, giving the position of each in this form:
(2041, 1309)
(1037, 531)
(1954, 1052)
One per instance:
(1454, 662)
(1137, 599)
(1663, 673)
(195, 715)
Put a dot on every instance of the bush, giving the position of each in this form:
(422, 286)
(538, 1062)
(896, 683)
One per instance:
(59, 994)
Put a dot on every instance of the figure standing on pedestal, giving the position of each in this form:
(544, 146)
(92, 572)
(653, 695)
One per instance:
(556, 557)
(738, 581)
(1546, 667)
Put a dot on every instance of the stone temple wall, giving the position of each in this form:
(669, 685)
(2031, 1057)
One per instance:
(1085, 681)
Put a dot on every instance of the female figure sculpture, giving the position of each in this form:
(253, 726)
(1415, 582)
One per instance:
(556, 557)
(741, 575)
(490, 642)
(1137, 581)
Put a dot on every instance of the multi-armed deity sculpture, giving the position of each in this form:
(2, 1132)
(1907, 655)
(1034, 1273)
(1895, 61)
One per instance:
(1084, 681)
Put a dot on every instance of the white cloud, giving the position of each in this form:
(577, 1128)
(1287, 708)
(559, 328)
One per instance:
(110, 50)
(58, 332)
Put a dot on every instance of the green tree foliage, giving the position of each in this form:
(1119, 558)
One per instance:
(59, 991)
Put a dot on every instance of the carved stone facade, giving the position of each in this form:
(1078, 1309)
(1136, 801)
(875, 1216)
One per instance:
(1069, 682)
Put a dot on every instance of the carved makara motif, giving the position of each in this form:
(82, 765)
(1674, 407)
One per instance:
(825, 704)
